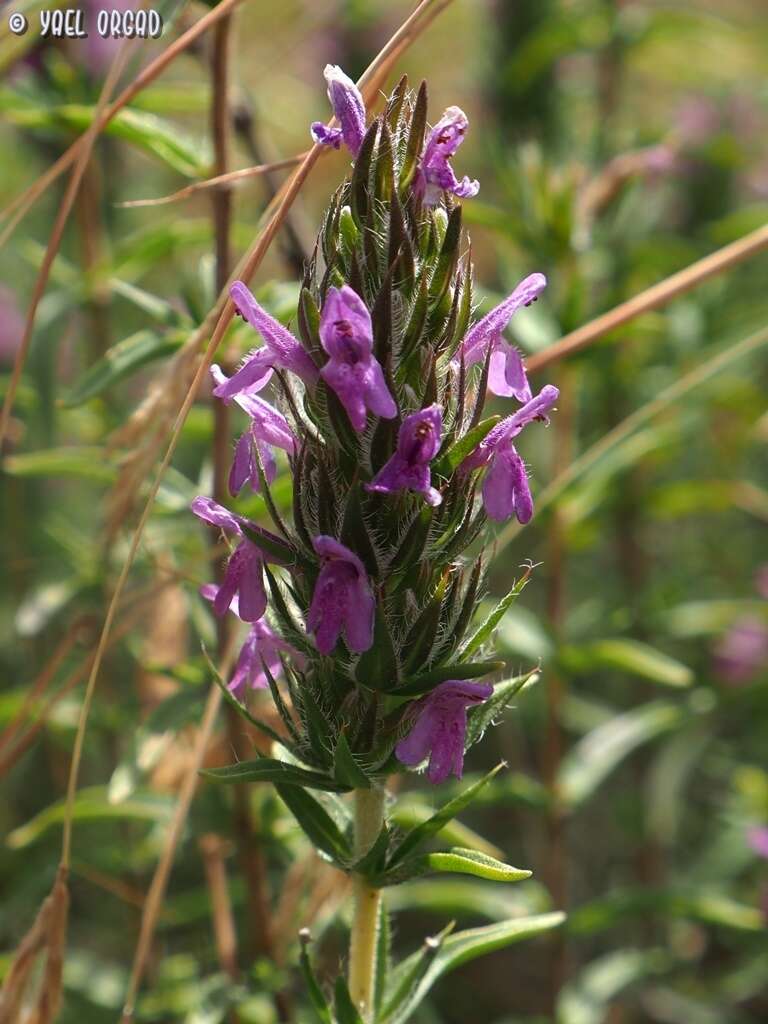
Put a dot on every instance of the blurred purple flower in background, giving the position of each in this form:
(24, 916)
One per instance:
(742, 651)
(757, 840)
(441, 728)
(11, 326)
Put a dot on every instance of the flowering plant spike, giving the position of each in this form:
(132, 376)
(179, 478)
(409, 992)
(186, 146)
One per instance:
(363, 603)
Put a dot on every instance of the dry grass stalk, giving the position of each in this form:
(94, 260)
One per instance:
(45, 938)
(23, 202)
(221, 181)
(653, 298)
(212, 848)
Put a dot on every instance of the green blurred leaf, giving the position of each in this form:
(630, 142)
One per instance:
(630, 656)
(594, 757)
(123, 359)
(267, 769)
(79, 462)
(319, 826)
(456, 950)
(94, 804)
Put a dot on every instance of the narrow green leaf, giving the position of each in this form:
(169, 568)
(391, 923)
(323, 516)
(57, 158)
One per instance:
(630, 656)
(346, 770)
(319, 827)
(318, 1000)
(459, 949)
(415, 142)
(457, 860)
(428, 680)
(594, 757)
(87, 463)
(427, 829)
(448, 462)
(377, 668)
(267, 769)
(241, 709)
(484, 631)
(480, 717)
(346, 1012)
(276, 549)
(359, 184)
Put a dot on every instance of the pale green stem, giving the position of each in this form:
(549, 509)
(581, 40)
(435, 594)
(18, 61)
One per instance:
(369, 817)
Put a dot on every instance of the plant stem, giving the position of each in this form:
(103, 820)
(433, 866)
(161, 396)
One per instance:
(369, 817)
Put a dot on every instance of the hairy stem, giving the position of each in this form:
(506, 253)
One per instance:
(369, 817)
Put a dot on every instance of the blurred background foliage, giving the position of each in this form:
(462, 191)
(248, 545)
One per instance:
(616, 142)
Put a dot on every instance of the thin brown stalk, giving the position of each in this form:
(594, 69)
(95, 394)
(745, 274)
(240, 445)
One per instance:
(70, 194)
(225, 937)
(653, 298)
(220, 182)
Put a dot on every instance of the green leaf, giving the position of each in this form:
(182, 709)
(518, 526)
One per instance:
(158, 309)
(267, 769)
(459, 450)
(123, 359)
(93, 804)
(346, 770)
(320, 828)
(87, 463)
(377, 668)
(318, 1000)
(484, 631)
(595, 756)
(587, 998)
(456, 950)
(630, 656)
(427, 829)
(480, 717)
(272, 546)
(346, 1012)
(428, 680)
(457, 860)
(241, 709)
(415, 142)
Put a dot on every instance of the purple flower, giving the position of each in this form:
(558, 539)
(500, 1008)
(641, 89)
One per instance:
(281, 350)
(343, 599)
(506, 375)
(268, 427)
(243, 578)
(435, 174)
(262, 646)
(742, 651)
(757, 840)
(352, 370)
(417, 444)
(441, 728)
(505, 486)
(349, 108)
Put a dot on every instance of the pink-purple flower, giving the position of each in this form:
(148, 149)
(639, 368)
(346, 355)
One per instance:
(757, 840)
(505, 485)
(262, 647)
(417, 444)
(435, 174)
(349, 108)
(281, 350)
(352, 370)
(441, 727)
(244, 576)
(268, 428)
(342, 600)
(743, 650)
(506, 373)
